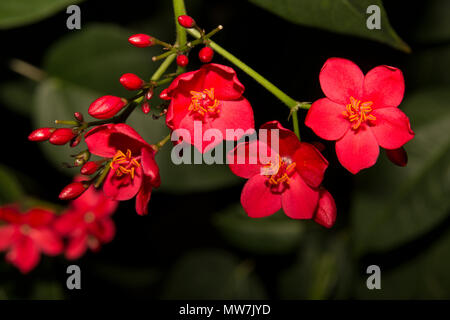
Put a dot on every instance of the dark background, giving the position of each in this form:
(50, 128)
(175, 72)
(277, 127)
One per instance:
(143, 261)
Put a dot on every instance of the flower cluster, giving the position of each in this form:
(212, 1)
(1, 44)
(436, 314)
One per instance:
(86, 223)
(360, 112)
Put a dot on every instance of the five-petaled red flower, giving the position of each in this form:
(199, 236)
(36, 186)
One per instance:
(290, 180)
(360, 112)
(26, 235)
(133, 169)
(212, 95)
(87, 223)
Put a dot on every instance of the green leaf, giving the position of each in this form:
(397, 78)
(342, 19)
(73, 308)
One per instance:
(322, 268)
(212, 274)
(16, 95)
(341, 16)
(423, 277)
(15, 13)
(394, 205)
(276, 234)
(10, 188)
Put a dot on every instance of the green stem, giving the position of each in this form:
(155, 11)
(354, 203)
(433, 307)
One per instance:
(163, 67)
(162, 142)
(179, 9)
(295, 123)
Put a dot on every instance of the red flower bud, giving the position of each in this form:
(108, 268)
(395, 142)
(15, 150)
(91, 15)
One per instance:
(61, 136)
(149, 94)
(76, 141)
(73, 190)
(141, 40)
(186, 21)
(41, 134)
(182, 60)
(78, 116)
(145, 107)
(131, 81)
(164, 95)
(106, 107)
(326, 209)
(206, 54)
(89, 168)
(398, 156)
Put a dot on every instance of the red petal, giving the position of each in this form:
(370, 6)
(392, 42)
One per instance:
(341, 79)
(142, 199)
(123, 187)
(97, 141)
(288, 141)
(6, 236)
(244, 160)
(326, 210)
(357, 150)
(224, 81)
(392, 128)
(150, 166)
(257, 199)
(384, 86)
(24, 254)
(326, 119)
(47, 241)
(310, 164)
(38, 217)
(299, 200)
(77, 246)
(398, 156)
(105, 230)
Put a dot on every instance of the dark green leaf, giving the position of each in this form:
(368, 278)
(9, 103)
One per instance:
(275, 234)
(341, 16)
(212, 274)
(393, 205)
(15, 13)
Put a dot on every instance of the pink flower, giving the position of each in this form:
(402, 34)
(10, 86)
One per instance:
(87, 223)
(360, 112)
(26, 235)
(212, 95)
(133, 169)
(291, 181)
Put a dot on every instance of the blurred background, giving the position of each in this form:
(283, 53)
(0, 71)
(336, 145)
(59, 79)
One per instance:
(197, 243)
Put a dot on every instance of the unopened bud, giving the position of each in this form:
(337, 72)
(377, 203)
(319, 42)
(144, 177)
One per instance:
(89, 168)
(61, 136)
(182, 60)
(106, 107)
(41, 134)
(398, 156)
(145, 107)
(73, 190)
(326, 209)
(141, 40)
(76, 141)
(130, 81)
(164, 95)
(206, 54)
(78, 116)
(186, 21)
(149, 94)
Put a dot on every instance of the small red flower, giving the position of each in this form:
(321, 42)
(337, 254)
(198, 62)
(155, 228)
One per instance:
(133, 170)
(291, 181)
(87, 223)
(212, 95)
(360, 112)
(26, 235)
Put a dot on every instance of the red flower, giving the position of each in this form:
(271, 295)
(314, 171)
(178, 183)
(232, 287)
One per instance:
(293, 186)
(360, 112)
(87, 223)
(133, 170)
(26, 235)
(212, 95)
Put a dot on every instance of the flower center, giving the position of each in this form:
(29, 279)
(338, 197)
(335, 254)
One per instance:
(358, 113)
(25, 229)
(89, 217)
(203, 102)
(124, 163)
(286, 169)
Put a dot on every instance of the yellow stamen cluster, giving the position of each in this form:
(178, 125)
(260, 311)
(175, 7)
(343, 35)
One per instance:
(198, 102)
(358, 112)
(119, 159)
